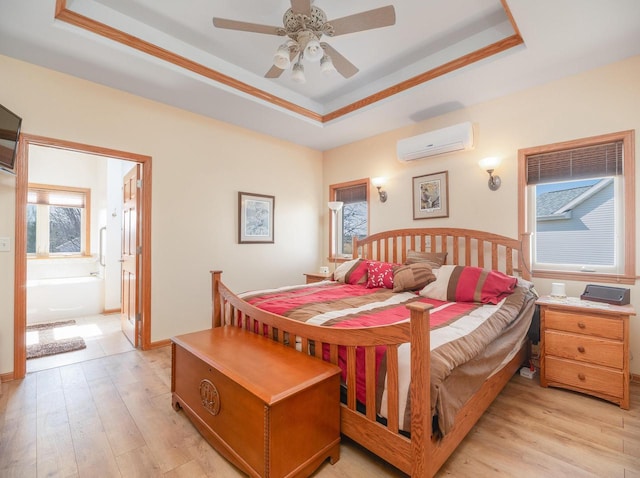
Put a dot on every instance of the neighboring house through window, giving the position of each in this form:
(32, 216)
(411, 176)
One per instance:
(58, 219)
(352, 219)
(578, 202)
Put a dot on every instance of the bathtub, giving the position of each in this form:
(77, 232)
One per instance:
(64, 298)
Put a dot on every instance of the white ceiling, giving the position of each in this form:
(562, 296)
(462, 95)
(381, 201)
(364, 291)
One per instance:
(560, 38)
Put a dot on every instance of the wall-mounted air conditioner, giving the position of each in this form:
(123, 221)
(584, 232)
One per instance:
(453, 138)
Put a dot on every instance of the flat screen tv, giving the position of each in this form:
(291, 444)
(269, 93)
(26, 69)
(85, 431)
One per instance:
(9, 132)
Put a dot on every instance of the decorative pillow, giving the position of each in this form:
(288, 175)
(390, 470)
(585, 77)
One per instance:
(343, 269)
(357, 273)
(436, 259)
(412, 276)
(380, 274)
(469, 284)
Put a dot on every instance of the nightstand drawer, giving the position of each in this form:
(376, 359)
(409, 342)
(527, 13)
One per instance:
(583, 348)
(585, 377)
(583, 323)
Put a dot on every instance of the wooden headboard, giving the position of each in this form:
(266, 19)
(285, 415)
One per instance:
(463, 247)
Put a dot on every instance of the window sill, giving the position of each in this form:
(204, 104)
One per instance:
(72, 257)
(584, 276)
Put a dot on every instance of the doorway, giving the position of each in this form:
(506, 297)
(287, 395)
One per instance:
(144, 282)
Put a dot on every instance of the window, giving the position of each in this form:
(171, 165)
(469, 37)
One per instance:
(577, 200)
(58, 220)
(352, 219)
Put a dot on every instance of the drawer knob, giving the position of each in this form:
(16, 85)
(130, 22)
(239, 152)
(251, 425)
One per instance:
(581, 349)
(582, 325)
(581, 377)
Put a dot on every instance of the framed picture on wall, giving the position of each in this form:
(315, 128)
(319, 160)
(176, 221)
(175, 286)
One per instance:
(431, 196)
(255, 218)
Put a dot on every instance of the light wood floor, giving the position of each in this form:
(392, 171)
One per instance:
(112, 417)
(103, 336)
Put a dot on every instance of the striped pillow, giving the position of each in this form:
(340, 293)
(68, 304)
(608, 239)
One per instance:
(412, 276)
(435, 259)
(352, 272)
(469, 284)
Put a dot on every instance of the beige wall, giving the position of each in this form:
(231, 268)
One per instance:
(199, 165)
(601, 101)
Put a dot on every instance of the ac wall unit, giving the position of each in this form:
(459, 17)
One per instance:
(458, 137)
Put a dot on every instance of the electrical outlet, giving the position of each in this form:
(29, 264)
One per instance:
(5, 244)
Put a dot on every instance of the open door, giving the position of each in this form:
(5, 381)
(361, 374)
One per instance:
(142, 226)
(131, 255)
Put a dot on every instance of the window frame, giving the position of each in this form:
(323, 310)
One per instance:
(627, 275)
(333, 256)
(86, 219)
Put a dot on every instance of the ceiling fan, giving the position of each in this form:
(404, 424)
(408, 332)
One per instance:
(305, 24)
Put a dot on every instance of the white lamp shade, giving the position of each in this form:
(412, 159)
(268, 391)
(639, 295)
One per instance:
(297, 73)
(313, 51)
(326, 64)
(377, 182)
(489, 163)
(335, 205)
(281, 58)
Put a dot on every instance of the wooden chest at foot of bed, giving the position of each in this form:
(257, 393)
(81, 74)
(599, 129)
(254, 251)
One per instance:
(270, 410)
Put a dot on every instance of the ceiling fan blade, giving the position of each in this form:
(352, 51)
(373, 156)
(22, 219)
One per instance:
(344, 66)
(274, 72)
(376, 18)
(301, 6)
(246, 27)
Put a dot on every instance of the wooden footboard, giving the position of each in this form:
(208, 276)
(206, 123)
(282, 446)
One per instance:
(383, 440)
(422, 454)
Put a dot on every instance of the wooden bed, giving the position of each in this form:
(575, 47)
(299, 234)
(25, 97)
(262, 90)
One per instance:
(423, 453)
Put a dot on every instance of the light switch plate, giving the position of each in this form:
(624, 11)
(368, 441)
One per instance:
(5, 244)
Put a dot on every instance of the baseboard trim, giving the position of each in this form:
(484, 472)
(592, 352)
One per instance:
(111, 311)
(159, 344)
(6, 377)
(635, 378)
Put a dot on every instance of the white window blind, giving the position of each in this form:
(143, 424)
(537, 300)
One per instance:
(53, 197)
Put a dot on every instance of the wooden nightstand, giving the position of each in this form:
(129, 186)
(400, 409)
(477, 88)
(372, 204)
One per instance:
(584, 346)
(316, 277)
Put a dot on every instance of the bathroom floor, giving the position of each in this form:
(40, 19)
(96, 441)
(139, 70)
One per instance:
(102, 335)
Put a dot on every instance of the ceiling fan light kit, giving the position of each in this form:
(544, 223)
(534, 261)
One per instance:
(307, 41)
(297, 73)
(326, 64)
(313, 51)
(305, 24)
(281, 58)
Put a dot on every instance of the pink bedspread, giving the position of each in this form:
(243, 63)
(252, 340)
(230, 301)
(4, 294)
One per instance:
(460, 331)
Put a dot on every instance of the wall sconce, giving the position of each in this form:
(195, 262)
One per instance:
(489, 165)
(378, 183)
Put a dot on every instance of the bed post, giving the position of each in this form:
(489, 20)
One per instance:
(354, 247)
(216, 316)
(420, 390)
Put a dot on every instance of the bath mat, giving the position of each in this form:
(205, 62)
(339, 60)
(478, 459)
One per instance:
(42, 341)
